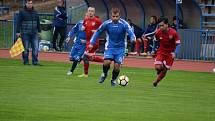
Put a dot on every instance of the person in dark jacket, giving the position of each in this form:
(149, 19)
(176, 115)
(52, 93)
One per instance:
(60, 23)
(148, 36)
(28, 28)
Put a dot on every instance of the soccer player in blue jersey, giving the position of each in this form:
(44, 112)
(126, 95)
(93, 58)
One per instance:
(79, 45)
(116, 29)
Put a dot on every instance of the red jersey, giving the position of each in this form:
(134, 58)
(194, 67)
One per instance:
(168, 41)
(91, 24)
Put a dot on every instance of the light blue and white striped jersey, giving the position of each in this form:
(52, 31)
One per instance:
(115, 34)
(76, 30)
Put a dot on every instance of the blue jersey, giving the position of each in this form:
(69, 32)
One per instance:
(115, 34)
(80, 35)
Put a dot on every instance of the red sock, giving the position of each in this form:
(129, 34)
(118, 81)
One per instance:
(145, 42)
(86, 68)
(98, 59)
(160, 76)
(137, 46)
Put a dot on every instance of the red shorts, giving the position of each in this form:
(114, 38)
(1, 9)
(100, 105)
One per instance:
(166, 60)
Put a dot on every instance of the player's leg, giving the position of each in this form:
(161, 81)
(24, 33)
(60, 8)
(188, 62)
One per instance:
(118, 60)
(86, 66)
(108, 57)
(106, 67)
(160, 68)
(95, 58)
(76, 56)
(115, 73)
(72, 58)
(161, 73)
(86, 58)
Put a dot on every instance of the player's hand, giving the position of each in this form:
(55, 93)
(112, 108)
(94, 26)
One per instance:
(18, 34)
(90, 47)
(83, 41)
(82, 28)
(173, 55)
(67, 39)
(93, 31)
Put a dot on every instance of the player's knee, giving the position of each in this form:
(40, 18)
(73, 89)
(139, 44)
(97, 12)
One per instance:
(159, 67)
(107, 62)
(116, 66)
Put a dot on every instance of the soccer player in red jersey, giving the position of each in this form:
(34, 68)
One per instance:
(90, 25)
(169, 46)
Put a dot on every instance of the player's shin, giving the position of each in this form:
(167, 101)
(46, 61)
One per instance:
(74, 64)
(115, 74)
(161, 75)
(106, 67)
(86, 65)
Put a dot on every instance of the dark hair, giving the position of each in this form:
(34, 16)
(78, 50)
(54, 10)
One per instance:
(155, 18)
(163, 19)
(28, 0)
(115, 10)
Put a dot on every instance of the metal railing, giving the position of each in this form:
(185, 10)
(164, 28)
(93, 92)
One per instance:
(6, 33)
(197, 45)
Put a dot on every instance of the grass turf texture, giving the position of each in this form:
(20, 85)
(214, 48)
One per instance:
(31, 93)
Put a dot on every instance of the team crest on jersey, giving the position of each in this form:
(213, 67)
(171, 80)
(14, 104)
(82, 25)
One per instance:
(93, 23)
(161, 38)
(170, 36)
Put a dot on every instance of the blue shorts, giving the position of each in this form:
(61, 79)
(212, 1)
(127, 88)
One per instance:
(117, 55)
(77, 52)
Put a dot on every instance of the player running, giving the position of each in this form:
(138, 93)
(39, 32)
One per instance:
(91, 24)
(116, 29)
(79, 45)
(169, 46)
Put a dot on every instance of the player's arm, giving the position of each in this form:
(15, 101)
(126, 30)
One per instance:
(83, 28)
(130, 33)
(97, 33)
(72, 32)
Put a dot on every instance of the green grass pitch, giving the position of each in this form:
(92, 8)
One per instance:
(29, 93)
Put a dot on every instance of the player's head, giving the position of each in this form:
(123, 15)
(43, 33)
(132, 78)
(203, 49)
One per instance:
(60, 3)
(91, 12)
(163, 24)
(29, 4)
(115, 14)
(174, 20)
(153, 19)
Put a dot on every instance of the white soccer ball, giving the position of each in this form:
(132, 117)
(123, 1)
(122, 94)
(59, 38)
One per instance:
(214, 70)
(123, 80)
(45, 48)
